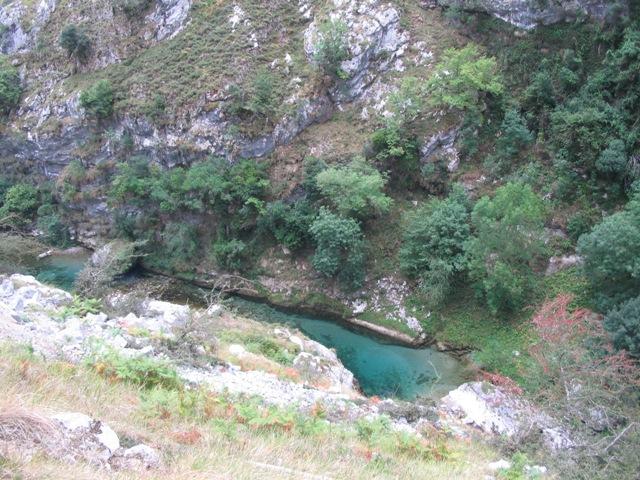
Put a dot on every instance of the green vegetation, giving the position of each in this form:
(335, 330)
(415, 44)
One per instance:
(143, 371)
(98, 100)
(463, 79)
(75, 42)
(339, 248)
(611, 261)
(623, 323)
(10, 89)
(509, 230)
(21, 201)
(331, 47)
(434, 241)
(355, 190)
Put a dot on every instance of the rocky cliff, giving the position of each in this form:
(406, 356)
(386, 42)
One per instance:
(528, 14)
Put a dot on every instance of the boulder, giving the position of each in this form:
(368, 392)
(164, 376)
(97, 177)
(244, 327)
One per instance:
(88, 438)
(562, 263)
(494, 411)
(140, 457)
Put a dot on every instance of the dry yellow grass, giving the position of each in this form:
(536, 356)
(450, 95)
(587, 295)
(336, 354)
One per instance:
(193, 449)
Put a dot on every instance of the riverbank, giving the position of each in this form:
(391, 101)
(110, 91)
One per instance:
(212, 365)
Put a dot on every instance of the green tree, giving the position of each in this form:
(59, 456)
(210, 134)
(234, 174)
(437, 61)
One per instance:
(433, 248)
(355, 189)
(10, 89)
(98, 100)
(20, 200)
(611, 254)
(339, 248)
(509, 237)
(76, 43)
(288, 223)
(332, 47)
(514, 137)
(462, 78)
(623, 324)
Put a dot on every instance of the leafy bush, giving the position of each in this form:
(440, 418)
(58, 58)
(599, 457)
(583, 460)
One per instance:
(407, 104)
(623, 324)
(509, 237)
(396, 151)
(76, 42)
(98, 100)
(10, 89)
(288, 223)
(332, 47)
(20, 201)
(462, 78)
(229, 254)
(179, 246)
(433, 245)
(355, 189)
(514, 137)
(53, 228)
(339, 248)
(612, 256)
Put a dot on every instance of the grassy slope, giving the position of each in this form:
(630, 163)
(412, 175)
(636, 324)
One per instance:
(212, 445)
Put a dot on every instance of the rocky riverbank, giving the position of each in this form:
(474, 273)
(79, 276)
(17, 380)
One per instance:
(58, 326)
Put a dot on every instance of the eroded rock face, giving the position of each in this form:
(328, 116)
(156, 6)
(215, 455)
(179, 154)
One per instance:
(376, 43)
(17, 32)
(169, 17)
(528, 14)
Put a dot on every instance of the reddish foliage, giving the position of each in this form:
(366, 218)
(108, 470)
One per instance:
(189, 437)
(575, 347)
(505, 383)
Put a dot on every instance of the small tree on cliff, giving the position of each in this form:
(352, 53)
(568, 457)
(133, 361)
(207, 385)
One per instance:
(332, 47)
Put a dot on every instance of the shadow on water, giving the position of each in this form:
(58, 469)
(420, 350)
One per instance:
(381, 368)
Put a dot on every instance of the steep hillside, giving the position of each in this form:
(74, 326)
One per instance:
(447, 173)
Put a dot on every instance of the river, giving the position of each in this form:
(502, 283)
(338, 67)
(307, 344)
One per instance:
(382, 368)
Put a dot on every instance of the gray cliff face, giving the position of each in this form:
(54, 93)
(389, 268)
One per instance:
(528, 14)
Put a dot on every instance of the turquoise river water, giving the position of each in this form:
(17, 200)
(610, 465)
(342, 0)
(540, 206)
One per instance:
(381, 368)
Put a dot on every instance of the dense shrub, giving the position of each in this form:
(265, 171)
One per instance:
(355, 189)
(514, 137)
(623, 324)
(462, 78)
(10, 88)
(21, 201)
(54, 230)
(611, 254)
(76, 43)
(396, 151)
(98, 100)
(339, 248)
(509, 237)
(229, 254)
(178, 247)
(433, 245)
(288, 223)
(332, 47)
